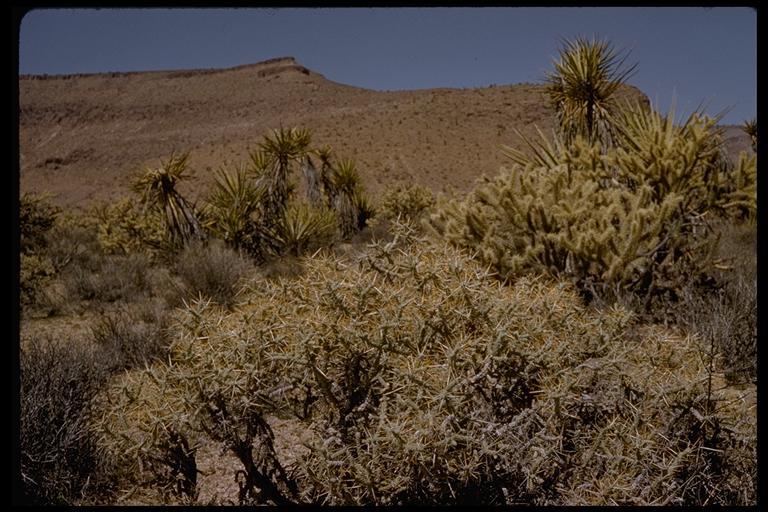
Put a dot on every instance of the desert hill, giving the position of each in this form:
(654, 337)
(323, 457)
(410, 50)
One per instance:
(82, 136)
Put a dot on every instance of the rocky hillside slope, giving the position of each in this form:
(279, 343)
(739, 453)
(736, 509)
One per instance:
(83, 136)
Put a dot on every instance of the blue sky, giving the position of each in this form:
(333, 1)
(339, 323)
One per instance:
(692, 54)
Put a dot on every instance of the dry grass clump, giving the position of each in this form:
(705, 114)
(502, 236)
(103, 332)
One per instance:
(210, 270)
(726, 319)
(424, 380)
(132, 337)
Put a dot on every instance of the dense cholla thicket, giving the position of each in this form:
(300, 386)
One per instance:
(421, 379)
(632, 218)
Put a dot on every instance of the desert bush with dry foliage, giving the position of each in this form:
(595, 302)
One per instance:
(422, 379)
(210, 270)
(37, 216)
(60, 460)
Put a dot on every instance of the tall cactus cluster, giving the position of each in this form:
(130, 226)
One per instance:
(629, 218)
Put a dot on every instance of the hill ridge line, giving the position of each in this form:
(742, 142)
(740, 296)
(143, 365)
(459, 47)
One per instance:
(289, 61)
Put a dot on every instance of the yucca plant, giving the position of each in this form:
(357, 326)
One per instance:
(277, 151)
(582, 87)
(344, 183)
(365, 210)
(157, 189)
(232, 207)
(750, 128)
(303, 228)
(313, 183)
(325, 154)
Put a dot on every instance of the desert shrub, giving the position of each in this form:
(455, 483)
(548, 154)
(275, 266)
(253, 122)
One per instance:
(74, 242)
(114, 278)
(406, 200)
(726, 319)
(36, 217)
(211, 270)
(423, 380)
(631, 219)
(131, 337)
(60, 463)
(35, 272)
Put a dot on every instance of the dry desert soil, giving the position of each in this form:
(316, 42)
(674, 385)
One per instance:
(82, 137)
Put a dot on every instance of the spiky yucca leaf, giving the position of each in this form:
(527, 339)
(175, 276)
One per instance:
(345, 177)
(303, 228)
(313, 182)
(365, 210)
(260, 163)
(582, 87)
(232, 205)
(325, 154)
(157, 189)
(750, 128)
(286, 144)
(278, 149)
(542, 151)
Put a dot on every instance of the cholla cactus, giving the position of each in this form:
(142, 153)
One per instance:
(419, 379)
(123, 228)
(624, 219)
(406, 200)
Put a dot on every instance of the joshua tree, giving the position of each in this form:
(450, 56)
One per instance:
(157, 189)
(582, 86)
